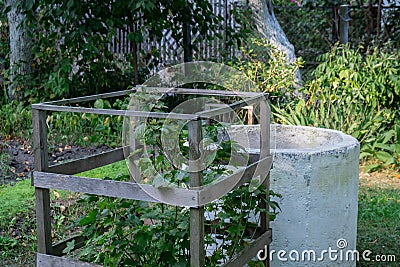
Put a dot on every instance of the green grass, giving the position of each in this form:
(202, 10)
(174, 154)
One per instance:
(379, 223)
(112, 170)
(17, 215)
(17, 241)
(15, 199)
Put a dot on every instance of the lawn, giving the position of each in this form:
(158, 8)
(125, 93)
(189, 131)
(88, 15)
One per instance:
(378, 222)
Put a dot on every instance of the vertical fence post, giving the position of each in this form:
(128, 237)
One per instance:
(344, 24)
(197, 250)
(43, 218)
(264, 152)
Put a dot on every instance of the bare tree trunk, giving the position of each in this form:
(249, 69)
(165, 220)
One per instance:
(20, 49)
(269, 28)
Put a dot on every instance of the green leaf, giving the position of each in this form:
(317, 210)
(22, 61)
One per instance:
(365, 154)
(254, 184)
(384, 156)
(373, 167)
(160, 182)
(70, 247)
(99, 103)
(89, 219)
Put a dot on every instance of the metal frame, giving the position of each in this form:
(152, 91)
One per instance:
(61, 176)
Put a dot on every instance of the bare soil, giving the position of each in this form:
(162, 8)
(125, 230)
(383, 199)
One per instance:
(17, 161)
(386, 178)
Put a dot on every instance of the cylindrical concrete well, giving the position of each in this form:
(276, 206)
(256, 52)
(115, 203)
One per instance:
(316, 172)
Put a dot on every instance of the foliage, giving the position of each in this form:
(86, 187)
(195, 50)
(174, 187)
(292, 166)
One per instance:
(5, 168)
(86, 128)
(267, 67)
(136, 233)
(16, 120)
(385, 148)
(312, 27)
(356, 94)
(71, 41)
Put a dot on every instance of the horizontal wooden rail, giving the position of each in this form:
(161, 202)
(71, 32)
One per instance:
(193, 197)
(192, 91)
(91, 97)
(60, 246)
(88, 163)
(44, 260)
(160, 90)
(216, 190)
(228, 108)
(110, 188)
(115, 112)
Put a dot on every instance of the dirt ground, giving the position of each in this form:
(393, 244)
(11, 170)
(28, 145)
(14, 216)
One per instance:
(384, 179)
(17, 160)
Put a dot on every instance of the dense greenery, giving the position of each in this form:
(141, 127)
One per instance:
(71, 42)
(312, 27)
(355, 93)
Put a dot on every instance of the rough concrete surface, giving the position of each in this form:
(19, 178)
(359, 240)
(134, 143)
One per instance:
(316, 172)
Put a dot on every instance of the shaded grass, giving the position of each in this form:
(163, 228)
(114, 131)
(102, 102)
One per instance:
(15, 198)
(17, 226)
(17, 216)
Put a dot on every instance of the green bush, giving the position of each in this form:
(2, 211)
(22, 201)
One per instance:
(136, 233)
(268, 68)
(356, 94)
(16, 120)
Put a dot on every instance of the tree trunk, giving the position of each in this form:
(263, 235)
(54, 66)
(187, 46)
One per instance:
(269, 28)
(20, 49)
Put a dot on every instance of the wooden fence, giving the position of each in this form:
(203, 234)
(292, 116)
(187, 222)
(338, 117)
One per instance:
(61, 176)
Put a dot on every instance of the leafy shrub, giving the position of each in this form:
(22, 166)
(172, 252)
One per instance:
(135, 233)
(267, 67)
(16, 120)
(356, 94)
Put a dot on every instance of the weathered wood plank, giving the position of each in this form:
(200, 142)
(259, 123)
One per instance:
(174, 196)
(264, 151)
(39, 132)
(250, 251)
(239, 104)
(60, 246)
(197, 249)
(115, 112)
(161, 90)
(91, 97)
(43, 260)
(89, 162)
(265, 114)
(226, 184)
(192, 91)
(42, 195)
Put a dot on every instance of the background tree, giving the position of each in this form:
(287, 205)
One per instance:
(20, 48)
(268, 27)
